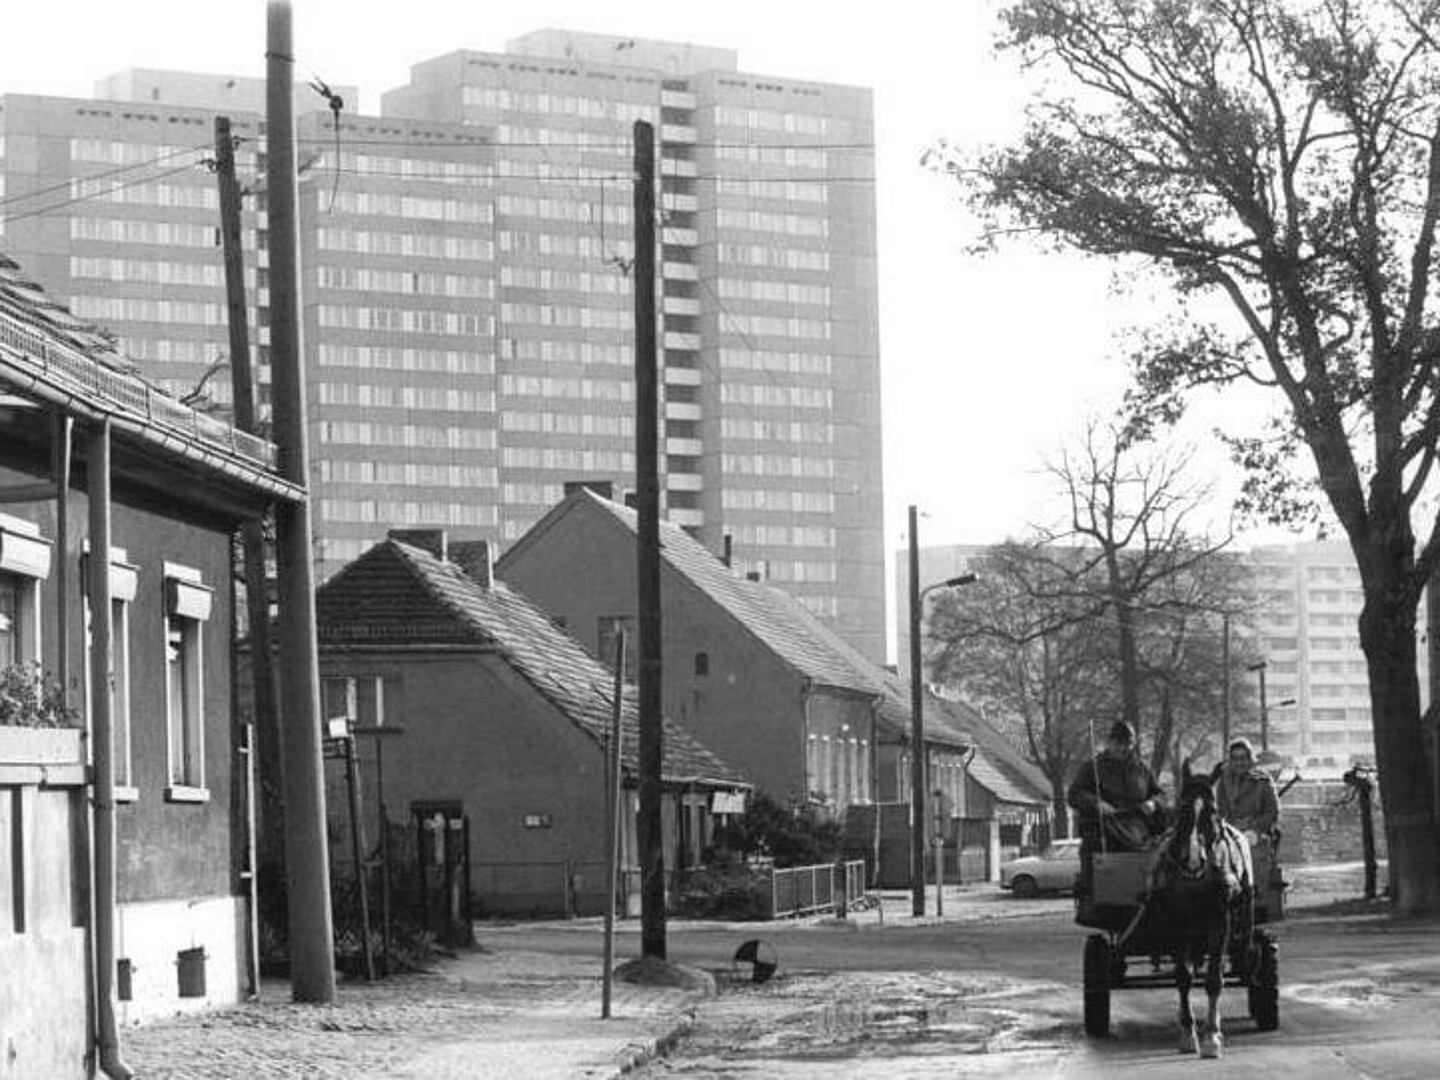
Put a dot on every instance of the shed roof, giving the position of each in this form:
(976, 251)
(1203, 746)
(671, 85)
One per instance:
(399, 595)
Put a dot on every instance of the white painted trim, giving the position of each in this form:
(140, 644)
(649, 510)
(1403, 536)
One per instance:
(182, 793)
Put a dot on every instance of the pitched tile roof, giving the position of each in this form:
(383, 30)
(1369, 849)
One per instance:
(399, 594)
(772, 615)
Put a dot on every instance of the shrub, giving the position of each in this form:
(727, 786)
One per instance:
(791, 838)
(732, 891)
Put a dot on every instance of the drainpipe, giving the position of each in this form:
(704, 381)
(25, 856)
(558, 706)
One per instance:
(102, 628)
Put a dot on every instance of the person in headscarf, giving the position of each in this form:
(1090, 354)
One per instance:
(1245, 793)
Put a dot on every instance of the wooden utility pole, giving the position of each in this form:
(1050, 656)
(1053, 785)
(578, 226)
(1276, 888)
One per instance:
(307, 857)
(917, 732)
(252, 532)
(647, 495)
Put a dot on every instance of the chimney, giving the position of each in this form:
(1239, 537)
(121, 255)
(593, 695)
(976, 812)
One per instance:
(729, 550)
(431, 540)
(604, 488)
(475, 558)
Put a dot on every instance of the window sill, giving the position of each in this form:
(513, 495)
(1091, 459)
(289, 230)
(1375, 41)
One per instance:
(179, 793)
(125, 793)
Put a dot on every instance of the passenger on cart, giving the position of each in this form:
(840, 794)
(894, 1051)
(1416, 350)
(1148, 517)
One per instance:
(1246, 798)
(1115, 791)
(1245, 794)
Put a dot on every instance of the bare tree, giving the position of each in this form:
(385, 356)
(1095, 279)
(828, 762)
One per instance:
(1284, 157)
(1096, 619)
(1015, 646)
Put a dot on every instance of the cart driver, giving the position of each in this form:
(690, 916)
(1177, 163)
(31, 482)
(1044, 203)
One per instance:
(1117, 791)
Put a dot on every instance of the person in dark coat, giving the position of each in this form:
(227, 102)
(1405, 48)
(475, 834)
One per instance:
(1115, 791)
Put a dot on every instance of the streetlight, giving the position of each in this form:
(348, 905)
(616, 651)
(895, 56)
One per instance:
(917, 718)
(1265, 707)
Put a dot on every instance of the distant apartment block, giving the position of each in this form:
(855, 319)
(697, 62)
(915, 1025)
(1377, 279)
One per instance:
(467, 300)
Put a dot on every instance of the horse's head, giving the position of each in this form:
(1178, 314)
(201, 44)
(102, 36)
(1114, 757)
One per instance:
(1192, 842)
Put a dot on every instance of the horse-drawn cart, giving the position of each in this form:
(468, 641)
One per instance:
(1128, 928)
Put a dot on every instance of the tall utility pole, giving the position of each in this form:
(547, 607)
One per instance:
(917, 732)
(252, 532)
(307, 860)
(647, 503)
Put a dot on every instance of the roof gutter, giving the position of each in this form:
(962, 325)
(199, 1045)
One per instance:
(86, 404)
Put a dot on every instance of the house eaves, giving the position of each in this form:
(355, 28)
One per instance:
(36, 362)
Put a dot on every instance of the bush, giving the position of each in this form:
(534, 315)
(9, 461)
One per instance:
(790, 838)
(732, 891)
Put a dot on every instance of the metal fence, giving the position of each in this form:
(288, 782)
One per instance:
(808, 890)
(577, 888)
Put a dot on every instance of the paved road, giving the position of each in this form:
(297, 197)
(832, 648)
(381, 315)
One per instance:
(997, 993)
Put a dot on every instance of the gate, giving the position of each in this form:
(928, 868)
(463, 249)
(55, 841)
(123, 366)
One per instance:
(442, 841)
(975, 850)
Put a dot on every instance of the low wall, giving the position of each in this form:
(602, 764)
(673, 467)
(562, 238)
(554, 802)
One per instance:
(1319, 824)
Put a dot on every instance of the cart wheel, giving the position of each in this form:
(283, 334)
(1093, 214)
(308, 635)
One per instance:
(1098, 965)
(1263, 992)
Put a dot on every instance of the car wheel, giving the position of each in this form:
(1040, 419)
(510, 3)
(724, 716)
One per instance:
(1024, 886)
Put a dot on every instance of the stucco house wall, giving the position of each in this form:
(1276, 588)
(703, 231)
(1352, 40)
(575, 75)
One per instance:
(177, 859)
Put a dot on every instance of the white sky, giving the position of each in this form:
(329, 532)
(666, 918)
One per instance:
(988, 365)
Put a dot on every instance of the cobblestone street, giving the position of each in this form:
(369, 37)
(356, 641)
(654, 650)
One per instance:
(414, 1025)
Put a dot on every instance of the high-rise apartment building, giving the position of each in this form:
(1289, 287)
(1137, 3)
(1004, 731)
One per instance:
(468, 306)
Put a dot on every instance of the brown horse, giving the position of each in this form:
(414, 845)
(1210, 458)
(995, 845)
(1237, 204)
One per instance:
(1200, 892)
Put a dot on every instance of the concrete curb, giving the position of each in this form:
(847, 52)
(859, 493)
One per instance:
(634, 1056)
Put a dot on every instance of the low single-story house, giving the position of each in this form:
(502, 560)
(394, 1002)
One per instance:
(746, 668)
(503, 722)
(123, 865)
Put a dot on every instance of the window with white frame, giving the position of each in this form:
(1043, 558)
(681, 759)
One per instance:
(187, 606)
(124, 582)
(24, 563)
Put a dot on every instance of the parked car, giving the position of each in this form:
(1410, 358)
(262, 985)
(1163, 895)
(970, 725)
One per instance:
(1053, 870)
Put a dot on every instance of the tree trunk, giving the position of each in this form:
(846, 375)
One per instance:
(1061, 812)
(1387, 635)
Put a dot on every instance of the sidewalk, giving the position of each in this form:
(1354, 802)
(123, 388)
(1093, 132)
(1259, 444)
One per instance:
(485, 1013)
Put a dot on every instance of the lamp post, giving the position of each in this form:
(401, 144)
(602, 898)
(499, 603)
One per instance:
(1264, 712)
(1265, 706)
(918, 787)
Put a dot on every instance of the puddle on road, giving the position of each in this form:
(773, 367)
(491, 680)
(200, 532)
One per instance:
(816, 1016)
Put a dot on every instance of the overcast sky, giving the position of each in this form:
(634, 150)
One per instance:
(988, 365)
